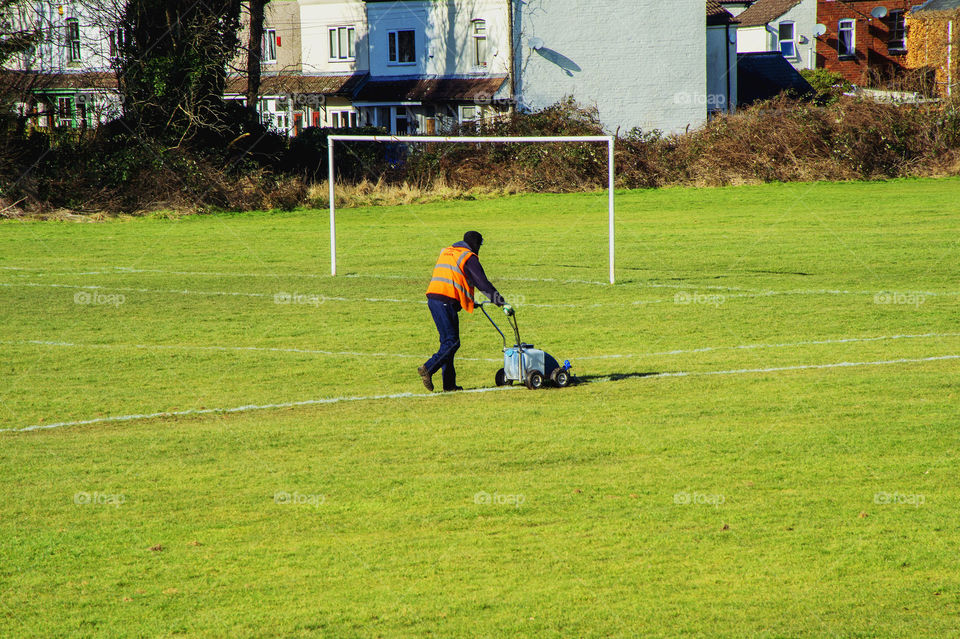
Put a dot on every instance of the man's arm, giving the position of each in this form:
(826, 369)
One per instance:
(476, 276)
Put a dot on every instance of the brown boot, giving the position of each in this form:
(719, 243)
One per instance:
(426, 377)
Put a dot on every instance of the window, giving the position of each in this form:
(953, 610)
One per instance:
(898, 31)
(268, 51)
(786, 33)
(342, 41)
(469, 113)
(480, 43)
(65, 112)
(847, 38)
(116, 42)
(73, 40)
(343, 119)
(401, 45)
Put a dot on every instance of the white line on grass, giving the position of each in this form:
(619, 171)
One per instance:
(707, 349)
(256, 349)
(284, 296)
(334, 400)
(307, 351)
(329, 298)
(737, 291)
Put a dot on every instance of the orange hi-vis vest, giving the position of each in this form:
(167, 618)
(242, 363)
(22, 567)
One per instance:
(449, 279)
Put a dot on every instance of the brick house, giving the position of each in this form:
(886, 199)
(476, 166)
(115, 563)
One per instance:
(864, 48)
(933, 43)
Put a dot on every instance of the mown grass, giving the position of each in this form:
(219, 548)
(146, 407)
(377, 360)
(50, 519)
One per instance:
(819, 501)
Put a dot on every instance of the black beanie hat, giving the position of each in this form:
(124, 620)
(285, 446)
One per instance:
(473, 240)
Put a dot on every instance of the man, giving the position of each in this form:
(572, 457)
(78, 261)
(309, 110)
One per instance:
(455, 276)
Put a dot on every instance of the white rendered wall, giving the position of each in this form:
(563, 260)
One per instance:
(444, 36)
(316, 17)
(753, 39)
(641, 65)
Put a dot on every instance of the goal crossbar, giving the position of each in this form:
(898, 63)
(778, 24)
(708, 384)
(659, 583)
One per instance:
(609, 139)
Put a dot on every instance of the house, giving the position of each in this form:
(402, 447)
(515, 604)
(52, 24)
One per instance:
(641, 64)
(864, 40)
(933, 42)
(335, 58)
(281, 105)
(424, 66)
(434, 64)
(721, 59)
(787, 26)
(67, 80)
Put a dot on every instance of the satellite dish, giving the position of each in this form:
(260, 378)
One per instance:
(879, 12)
(536, 43)
(819, 30)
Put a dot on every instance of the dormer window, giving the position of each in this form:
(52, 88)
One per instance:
(480, 43)
(73, 40)
(401, 46)
(787, 34)
(268, 50)
(342, 41)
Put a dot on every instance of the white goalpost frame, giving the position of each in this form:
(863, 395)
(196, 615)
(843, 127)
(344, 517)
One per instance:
(609, 139)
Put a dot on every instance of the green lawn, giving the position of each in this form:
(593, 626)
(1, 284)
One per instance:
(766, 442)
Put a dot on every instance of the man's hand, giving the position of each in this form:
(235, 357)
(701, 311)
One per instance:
(507, 310)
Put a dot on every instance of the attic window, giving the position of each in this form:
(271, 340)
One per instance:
(787, 35)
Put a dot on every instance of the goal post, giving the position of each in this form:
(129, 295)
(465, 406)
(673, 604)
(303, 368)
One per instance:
(609, 139)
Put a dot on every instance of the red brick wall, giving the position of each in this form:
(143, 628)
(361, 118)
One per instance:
(871, 39)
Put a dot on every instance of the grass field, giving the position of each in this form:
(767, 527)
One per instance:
(766, 442)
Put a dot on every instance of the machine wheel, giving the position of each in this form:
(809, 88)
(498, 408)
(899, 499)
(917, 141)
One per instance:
(560, 377)
(534, 380)
(500, 379)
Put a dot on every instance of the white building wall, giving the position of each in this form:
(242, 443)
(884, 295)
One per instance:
(444, 36)
(316, 18)
(804, 17)
(753, 39)
(641, 66)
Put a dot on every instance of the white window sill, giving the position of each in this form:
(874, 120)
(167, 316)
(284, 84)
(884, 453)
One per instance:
(333, 60)
(401, 64)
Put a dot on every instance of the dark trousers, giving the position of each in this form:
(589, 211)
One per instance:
(446, 317)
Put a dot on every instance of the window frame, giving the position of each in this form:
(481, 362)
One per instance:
(74, 53)
(478, 34)
(268, 45)
(334, 38)
(897, 23)
(478, 110)
(851, 27)
(393, 48)
(792, 41)
(64, 116)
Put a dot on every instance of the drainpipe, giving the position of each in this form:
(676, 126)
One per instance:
(950, 58)
(510, 55)
(726, 45)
